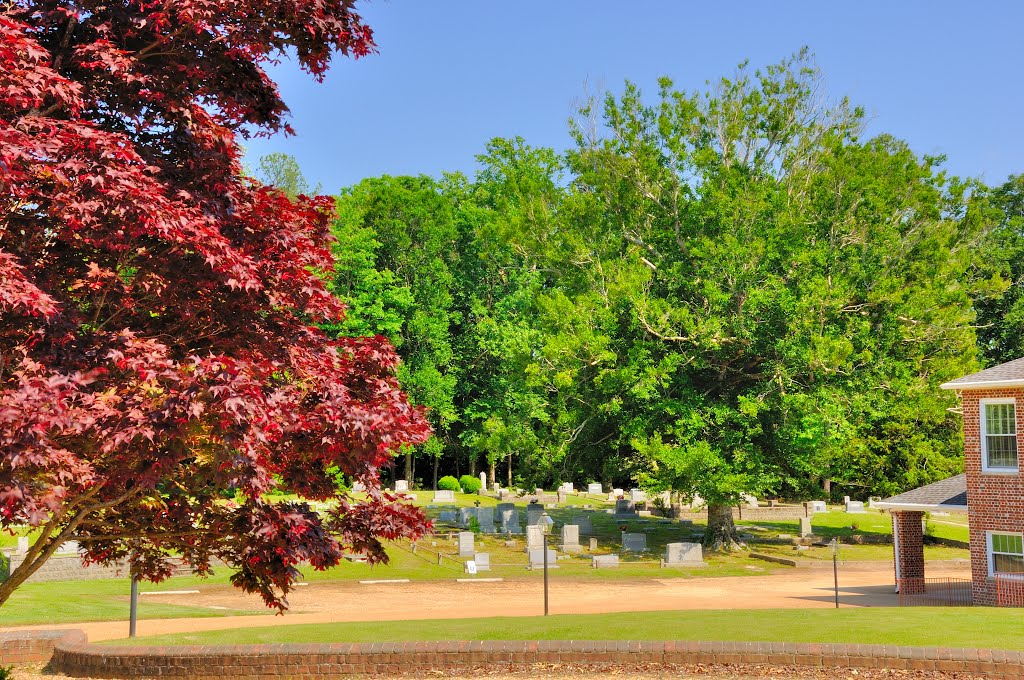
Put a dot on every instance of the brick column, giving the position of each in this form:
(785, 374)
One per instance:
(908, 545)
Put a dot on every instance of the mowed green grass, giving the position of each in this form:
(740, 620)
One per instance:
(985, 627)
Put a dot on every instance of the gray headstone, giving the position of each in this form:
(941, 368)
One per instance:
(534, 537)
(805, 527)
(846, 500)
(684, 554)
(483, 561)
(634, 542)
(466, 547)
(537, 558)
(401, 485)
(584, 523)
(637, 495)
(561, 495)
(507, 515)
(855, 506)
(570, 539)
(818, 506)
(533, 513)
(358, 487)
(485, 516)
(593, 544)
(22, 545)
(605, 561)
(594, 488)
(624, 506)
(444, 496)
(449, 516)
(465, 514)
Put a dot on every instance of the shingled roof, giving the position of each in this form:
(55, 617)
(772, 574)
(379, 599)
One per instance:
(946, 495)
(1010, 374)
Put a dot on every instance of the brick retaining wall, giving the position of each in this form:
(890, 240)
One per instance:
(35, 646)
(72, 656)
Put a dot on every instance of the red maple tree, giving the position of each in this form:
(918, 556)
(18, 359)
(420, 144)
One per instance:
(158, 310)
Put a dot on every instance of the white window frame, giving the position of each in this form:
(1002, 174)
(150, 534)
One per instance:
(991, 555)
(982, 403)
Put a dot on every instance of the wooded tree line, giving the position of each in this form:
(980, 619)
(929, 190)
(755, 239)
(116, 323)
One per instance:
(721, 292)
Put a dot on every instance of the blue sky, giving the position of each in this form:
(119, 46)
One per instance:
(945, 76)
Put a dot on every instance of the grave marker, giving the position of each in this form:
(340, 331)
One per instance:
(595, 488)
(534, 537)
(537, 558)
(485, 516)
(684, 554)
(624, 506)
(584, 523)
(819, 506)
(570, 539)
(634, 542)
(605, 561)
(401, 485)
(483, 561)
(466, 547)
(444, 496)
(855, 506)
(805, 527)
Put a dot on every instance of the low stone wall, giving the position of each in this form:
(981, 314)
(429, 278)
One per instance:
(66, 568)
(74, 658)
(35, 646)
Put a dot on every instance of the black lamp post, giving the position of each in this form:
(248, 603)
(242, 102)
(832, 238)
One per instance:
(546, 522)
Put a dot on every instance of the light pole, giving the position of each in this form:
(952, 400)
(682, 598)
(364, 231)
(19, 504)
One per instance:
(546, 522)
(835, 567)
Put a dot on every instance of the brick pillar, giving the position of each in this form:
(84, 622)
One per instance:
(908, 545)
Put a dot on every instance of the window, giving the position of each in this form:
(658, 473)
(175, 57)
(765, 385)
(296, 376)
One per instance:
(998, 435)
(1005, 553)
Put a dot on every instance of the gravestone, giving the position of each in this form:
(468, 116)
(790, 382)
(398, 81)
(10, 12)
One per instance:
(637, 495)
(449, 516)
(465, 514)
(483, 561)
(805, 527)
(444, 496)
(358, 487)
(508, 517)
(618, 493)
(634, 542)
(534, 537)
(855, 506)
(584, 523)
(401, 485)
(593, 544)
(611, 496)
(872, 500)
(68, 547)
(485, 516)
(533, 513)
(570, 539)
(567, 487)
(538, 491)
(466, 547)
(561, 495)
(846, 500)
(495, 487)
(483, 482)
(818, 506)
(22, 545)
(684, 554)
(624, 506)
(697, 502)
(537, 558)
(751, 501)
(605, 561)
(595, 488)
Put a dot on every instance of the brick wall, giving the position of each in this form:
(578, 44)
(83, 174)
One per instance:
(910, 550)
(995, 501)
(35, 646)
(339, 660)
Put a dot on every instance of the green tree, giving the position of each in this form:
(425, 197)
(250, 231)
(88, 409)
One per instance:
(281, 170)
(1001, 261)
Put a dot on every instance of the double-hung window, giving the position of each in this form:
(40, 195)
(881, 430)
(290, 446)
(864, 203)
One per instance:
(1005, 553)
(998, 435)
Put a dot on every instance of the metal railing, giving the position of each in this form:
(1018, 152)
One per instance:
(1009, 590)
(935, 592)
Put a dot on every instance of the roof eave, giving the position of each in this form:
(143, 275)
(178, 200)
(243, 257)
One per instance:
(919, 507)
(981, 384)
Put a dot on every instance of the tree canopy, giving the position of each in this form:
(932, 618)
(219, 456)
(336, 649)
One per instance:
(159, 311)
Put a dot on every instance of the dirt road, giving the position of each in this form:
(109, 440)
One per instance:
(861, 585)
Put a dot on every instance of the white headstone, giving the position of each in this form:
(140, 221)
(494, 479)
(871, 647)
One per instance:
(805, 527)
(846, 499)
(697, 502)
(534, 537)
(818, 506)
(22, 545)
(444, 496)
(358, 487)
(466, 548)
(570, 539)
(69, 547)
(483, 482)
(537, 558)
(637, 495)
(618, 493)
(634, 542)
(605, 561)
(595, 488)
(483, 561)
(686, 554)
(855, 506)
(401, 485)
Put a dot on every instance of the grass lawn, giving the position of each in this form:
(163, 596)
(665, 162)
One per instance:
(987, 627)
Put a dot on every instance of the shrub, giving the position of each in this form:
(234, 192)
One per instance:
(6, 672)
(469, 484)
(448, 483)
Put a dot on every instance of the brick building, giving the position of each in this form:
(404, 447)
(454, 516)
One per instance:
(991, 490)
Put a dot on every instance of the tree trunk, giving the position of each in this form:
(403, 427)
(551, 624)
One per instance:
(510, 470)
(721, 532)
(472, 465)
(409, 469)
(494, 467)
(437, 459)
